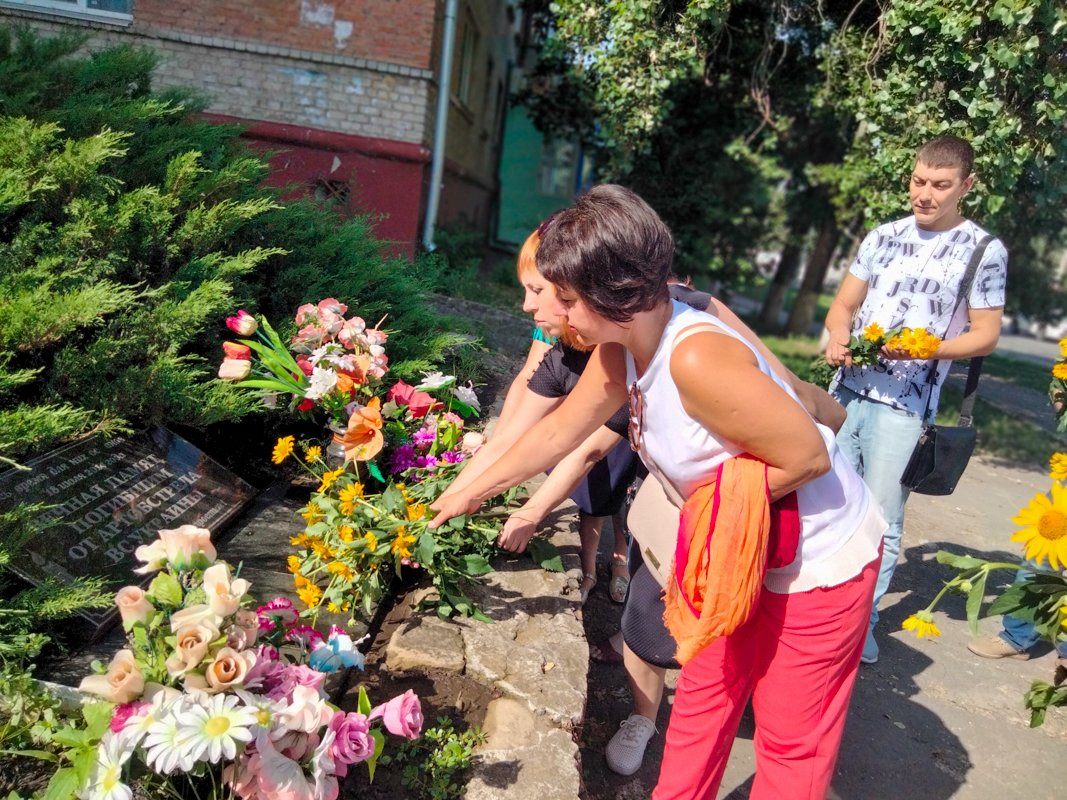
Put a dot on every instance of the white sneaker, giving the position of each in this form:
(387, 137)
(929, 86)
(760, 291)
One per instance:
(626, 750)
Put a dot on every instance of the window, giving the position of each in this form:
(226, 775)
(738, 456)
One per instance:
(120, 11)
(468, 49)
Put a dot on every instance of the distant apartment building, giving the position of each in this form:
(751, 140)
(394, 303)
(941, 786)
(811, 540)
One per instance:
(343, 93)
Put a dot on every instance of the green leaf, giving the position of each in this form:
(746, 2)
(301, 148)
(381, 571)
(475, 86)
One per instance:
(63, 785)
(974, 601)
(363, 705)
(376, 473)
(164, 590)
(42, 755)
(545, 554)
(379, 745)
(957, 561)
(459, 523)
(424, 548)
(70, 737)
(475, 565)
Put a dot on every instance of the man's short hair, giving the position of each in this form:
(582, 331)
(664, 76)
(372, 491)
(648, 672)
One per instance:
(610, 248)
(948, 151)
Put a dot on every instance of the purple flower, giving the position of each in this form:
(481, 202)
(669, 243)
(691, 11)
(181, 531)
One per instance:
(294, 675)
(423, 438)
(353, 743)
(403, 458)
(452, 456)
(426, 462)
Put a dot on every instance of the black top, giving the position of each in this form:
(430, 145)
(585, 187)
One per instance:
(562, 366)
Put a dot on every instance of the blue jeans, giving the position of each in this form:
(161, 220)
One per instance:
(1021, 634)
(878, 440)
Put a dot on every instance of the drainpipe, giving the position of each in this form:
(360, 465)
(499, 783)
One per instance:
(440, 127)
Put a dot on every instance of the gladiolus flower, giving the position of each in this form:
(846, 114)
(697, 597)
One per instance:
(242, 352)
(234, 369)
(243, 324)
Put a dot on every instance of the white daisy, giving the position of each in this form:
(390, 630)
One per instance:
(214, 725)
(166, 746)
(322, 382)
(105, 779)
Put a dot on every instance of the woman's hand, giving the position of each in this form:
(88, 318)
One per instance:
(516, 533)
(457, 505)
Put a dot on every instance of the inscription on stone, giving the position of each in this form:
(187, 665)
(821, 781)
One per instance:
(106, 497)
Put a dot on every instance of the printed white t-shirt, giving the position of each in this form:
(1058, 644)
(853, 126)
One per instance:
(913, 276)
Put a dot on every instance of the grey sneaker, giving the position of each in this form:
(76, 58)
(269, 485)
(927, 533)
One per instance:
(626, 750)
(996, 647)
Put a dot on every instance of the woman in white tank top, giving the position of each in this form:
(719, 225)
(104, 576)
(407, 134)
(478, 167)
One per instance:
(700, 395)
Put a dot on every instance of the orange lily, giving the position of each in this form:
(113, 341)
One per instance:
(364, 438)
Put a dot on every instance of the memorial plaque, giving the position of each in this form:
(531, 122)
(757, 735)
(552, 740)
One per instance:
(107, 497)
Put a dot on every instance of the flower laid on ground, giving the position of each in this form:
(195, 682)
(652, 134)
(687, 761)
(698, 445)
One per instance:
(1039, 598)
(214, 686)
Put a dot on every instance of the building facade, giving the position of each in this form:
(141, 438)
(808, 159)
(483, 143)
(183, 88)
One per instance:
(342, 93)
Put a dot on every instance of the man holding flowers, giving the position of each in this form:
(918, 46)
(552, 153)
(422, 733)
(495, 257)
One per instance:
(905, 279)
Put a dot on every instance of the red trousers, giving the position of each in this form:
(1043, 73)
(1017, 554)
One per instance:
(797, 657)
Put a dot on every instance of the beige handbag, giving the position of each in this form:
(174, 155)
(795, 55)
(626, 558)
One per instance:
(653, 522)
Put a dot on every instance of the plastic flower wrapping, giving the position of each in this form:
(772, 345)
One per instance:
(213, 685)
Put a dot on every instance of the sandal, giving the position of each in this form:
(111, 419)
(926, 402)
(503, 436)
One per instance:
(583, 589)
(603, 653)
(620, 584)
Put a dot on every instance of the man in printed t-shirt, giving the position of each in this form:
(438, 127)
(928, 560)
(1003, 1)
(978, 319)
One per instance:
(907, 274)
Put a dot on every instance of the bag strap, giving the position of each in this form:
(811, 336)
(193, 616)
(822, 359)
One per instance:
(974, 371)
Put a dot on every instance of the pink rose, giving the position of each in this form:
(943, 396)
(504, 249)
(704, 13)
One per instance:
(234, 369)
(123, 682)
(306, 712)
(191, 647)
(402, 715)
(132, 604)
(228, 670)
(243, 324)
(295, 676)
(223, 592)
(352, 743)
(187, 547)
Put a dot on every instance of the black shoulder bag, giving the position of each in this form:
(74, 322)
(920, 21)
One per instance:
(942, 452)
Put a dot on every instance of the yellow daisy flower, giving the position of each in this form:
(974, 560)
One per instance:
(401, 544)
(328, 479)
(896, 343)
(1045, 527)
(311, 595)
(416, 512)
(313, 454)
(922, 624)
(283, 449)
(293, 564)
(348, 496)
(873, 332)
(300, 581)
(1057, 466)
(1063, 347)
(341, 569)
(311, 514)
(345, 534)
(301, 540)
(333, 608)
(371, 540)
(322, 550)
(1060, 371)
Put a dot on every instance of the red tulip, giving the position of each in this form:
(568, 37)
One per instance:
(242, 352)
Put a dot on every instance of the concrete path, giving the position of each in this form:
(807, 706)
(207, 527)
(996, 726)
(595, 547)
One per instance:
(930, 721)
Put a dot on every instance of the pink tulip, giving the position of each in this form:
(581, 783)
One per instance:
(234, 369)
(242, 352)
(243, 324)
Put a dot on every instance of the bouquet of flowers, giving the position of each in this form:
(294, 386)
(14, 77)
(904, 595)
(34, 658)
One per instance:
(328, 364)
(214, 687)
(866, 348)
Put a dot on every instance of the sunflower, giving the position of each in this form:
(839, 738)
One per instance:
(1063, 347)
(310, 594)
(283, 449)
(402, 542)
(293, 564)
(1044, 529)
(1060, 371)
(311, 514)
(416, 512)
(873, 332)
(922, 624)
(322, 550)
(1057, 466)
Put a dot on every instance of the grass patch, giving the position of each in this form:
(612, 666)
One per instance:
(796, 352)
(1020, 372)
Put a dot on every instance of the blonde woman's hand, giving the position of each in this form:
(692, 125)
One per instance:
(446, 508)
(516, 533)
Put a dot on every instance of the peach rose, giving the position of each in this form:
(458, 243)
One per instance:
(133, 605)
(187, 547)
(224, 593)
(123, 682)
(191, 647)
(228, 670)
(194, 615)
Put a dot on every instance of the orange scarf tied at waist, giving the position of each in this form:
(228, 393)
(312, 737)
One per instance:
(729, 532)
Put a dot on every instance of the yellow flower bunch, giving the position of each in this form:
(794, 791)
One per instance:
(1057, 466)
(916, 342)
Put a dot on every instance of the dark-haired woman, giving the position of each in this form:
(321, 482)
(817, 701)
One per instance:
(704, 402)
